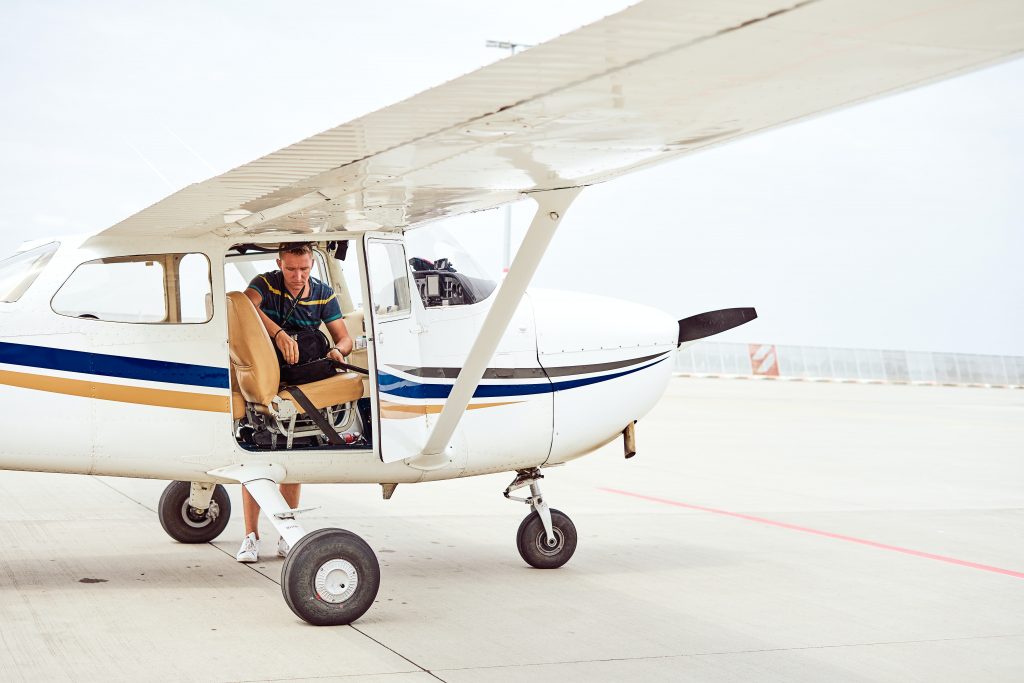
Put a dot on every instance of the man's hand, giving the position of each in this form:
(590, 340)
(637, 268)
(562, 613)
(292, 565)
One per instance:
(289, 347)
(335, 354)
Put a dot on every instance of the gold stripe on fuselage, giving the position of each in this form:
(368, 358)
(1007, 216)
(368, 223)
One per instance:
(162, 398)
(403, 411)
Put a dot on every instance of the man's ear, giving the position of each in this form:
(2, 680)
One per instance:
(279, 266)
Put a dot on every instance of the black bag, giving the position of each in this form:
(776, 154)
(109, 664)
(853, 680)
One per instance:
(313, 347)
(313, 371)
(312, 365)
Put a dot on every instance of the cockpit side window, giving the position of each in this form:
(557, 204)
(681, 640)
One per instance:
(149, 288)
(18, 272)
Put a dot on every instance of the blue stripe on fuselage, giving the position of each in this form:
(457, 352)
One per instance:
(406, 388)
(48, 358)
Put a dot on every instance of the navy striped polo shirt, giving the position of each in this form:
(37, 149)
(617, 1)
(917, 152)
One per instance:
(319, 305)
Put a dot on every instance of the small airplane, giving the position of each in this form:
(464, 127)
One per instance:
(132, 351)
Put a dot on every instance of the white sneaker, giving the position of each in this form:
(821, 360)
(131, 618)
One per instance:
(250, 550)
(282, 547)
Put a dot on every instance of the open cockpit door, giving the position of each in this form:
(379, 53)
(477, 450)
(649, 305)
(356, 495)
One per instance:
(398, 410)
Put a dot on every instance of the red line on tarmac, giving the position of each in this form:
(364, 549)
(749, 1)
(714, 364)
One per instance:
(826, 534)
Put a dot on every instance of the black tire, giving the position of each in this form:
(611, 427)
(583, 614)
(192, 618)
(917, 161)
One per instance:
(180, 521)
(330, 577)
(532, 541)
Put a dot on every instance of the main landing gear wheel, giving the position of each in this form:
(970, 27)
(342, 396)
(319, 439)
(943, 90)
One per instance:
(184, 523)
(330, 577)
(533, 544)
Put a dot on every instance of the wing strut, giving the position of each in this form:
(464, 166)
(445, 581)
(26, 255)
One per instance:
(551, 208)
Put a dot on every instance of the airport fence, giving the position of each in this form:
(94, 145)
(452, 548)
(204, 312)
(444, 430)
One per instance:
(864, 365)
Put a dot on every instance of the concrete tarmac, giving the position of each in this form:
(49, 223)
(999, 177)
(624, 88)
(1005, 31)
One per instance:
(768, 531)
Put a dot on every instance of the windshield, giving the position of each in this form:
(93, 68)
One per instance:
(446, 275)
(18, 272)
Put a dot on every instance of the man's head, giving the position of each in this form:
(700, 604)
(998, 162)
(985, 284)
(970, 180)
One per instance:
(295, 259)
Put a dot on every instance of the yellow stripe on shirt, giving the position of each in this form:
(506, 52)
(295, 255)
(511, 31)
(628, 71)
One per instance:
(318, 302)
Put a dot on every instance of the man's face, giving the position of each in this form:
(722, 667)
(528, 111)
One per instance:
(296, 269)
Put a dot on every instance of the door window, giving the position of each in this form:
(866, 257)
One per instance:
(389, 279)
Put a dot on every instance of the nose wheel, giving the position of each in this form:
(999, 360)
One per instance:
(535, 547)
(547, 537)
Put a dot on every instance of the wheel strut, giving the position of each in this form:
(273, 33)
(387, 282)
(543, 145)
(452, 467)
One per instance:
(530, 477)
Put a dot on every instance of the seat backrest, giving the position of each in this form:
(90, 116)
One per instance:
(252, 354)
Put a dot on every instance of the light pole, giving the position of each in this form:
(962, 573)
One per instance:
(506, 256)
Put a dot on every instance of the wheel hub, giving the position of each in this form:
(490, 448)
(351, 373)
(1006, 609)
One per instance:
(550, 548)
(336, 581)
(198, 519)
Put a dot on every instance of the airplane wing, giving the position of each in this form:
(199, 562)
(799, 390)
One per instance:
(659, 80)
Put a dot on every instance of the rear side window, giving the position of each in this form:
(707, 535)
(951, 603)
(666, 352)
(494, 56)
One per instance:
(18, 272)
(152, 288)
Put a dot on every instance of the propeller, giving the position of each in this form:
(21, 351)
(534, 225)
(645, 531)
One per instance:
(706, 324)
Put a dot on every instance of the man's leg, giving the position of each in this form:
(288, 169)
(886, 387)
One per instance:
(251, 512)
(290, 493)
(250, 550)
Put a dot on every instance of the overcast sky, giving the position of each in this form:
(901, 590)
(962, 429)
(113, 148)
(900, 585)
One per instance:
(894, 224)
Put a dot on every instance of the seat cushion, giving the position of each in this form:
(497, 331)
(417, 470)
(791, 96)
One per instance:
(342, 388)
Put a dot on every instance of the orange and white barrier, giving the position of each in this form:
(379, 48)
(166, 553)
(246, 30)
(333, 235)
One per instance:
(764, 360)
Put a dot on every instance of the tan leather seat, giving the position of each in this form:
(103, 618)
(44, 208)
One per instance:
(342, 388)
(255, 367)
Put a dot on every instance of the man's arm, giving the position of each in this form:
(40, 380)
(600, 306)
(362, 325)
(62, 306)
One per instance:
(342, 341)
(288, 347)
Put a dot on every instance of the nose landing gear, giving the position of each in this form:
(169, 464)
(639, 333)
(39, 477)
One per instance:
(547, 537)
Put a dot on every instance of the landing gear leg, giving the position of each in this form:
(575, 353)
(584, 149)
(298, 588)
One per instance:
(330, 576)
(547, 537)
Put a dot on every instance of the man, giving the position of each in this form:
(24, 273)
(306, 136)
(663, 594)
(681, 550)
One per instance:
(289, 299)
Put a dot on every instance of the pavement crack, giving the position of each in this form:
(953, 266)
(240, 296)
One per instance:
(122, 493)
(395, 652)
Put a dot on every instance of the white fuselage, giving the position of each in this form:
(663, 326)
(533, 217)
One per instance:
(153, 400)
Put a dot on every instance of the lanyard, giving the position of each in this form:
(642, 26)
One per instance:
(295, 301)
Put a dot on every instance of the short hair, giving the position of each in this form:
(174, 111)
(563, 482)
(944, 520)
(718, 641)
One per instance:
(297, 248)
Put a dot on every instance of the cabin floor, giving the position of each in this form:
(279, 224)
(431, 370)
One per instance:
(769, 531)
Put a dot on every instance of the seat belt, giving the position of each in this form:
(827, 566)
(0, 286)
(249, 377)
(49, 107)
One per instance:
(329, 431)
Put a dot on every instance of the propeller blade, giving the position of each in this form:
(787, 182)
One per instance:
(706, 324)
